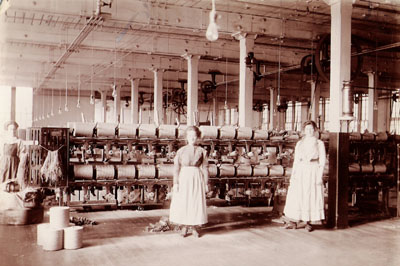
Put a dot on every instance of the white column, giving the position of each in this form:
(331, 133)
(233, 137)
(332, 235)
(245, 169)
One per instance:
(359, 118)
(158, 86)
(193, 87)
(293, 114)
(315, 94)
(323, 112)
(272, 110)
(135, 101)
(117, 103)
(103, 94)
(14, 103)
(303, 113)
(340, 58)
(372, 103)
(245, 81)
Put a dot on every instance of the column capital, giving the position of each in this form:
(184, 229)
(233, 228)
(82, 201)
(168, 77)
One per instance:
(188, 56)
(154, 69)
(243, 35)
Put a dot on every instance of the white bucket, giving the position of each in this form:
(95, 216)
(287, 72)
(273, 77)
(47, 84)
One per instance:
(53, 239)
(59, 217)
(73, 237)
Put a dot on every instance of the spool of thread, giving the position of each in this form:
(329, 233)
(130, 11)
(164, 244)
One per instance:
(167, 132)
(226, 170)
(41, 233)
(146, 171)
(147, 131)
(83, 129)
(260, 170)
(182, 132)
(126, 171)
(73, 237)
(106, 129)
(212, 170)
(59, 217)
(227, 132)
(276, 170)
(260, 134)
(209, 132)
(380, 168)
(368, 136)
(83, 172)
(165, 171)
(53, 238)
(381, 136)
(367, 168)
(105, 172)
(288, 171)
(244, 133)
(244, 170)
(355, 136)
(354, 168)
(127, 130)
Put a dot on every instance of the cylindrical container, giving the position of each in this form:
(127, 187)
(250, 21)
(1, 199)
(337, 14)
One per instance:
(147, 131)
(105, 172)
(260, 134)
(227, 170)
(276, 170)
(41, 233)
(127, 130)
(182, 132)
(167, 132)
(59, 217)
(82, 129)
(367, 168)
(73, 237)
(146, 171)
(53, 238)
(244, 133)
(368, 136)
(244, 170)
(126, 172)
(227, 132)
(260, 170)
(347, 103)
(381, 136)
(209, 132)
(212, 170)
(166, 171)
(83, 172)
(355, 136)
(354, 168)
(106, 129)
(380, 168)
(288, 171)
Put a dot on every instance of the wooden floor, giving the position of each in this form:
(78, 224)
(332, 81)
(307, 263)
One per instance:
(234, 236)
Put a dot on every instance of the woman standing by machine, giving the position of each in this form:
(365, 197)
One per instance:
(11, 148)
(188, 205)
(305, 197)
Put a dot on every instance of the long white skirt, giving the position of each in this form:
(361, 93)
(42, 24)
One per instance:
(188, 205)
(305, 197)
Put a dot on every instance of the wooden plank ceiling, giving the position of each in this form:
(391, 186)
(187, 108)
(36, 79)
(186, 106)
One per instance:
(49, 44)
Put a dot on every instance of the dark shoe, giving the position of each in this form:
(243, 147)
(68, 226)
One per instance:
(184, 231)
(308, 227)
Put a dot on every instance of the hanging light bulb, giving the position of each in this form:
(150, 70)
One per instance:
(52, 113)
(48, 115)
(66, 107)
(212, 30)
(59, 110)
(78, 104)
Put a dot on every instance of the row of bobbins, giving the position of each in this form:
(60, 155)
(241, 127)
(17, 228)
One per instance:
(59, 233)
(166, 171)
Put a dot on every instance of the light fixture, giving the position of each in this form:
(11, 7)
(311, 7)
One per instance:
(91, 87)
(66, 90)
(212, 30)
(78, 104)
(91, 99)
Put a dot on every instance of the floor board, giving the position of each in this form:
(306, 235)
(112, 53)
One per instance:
(234, 236)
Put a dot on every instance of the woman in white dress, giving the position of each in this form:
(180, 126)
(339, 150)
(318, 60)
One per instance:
(188, 204)
(305, 197)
